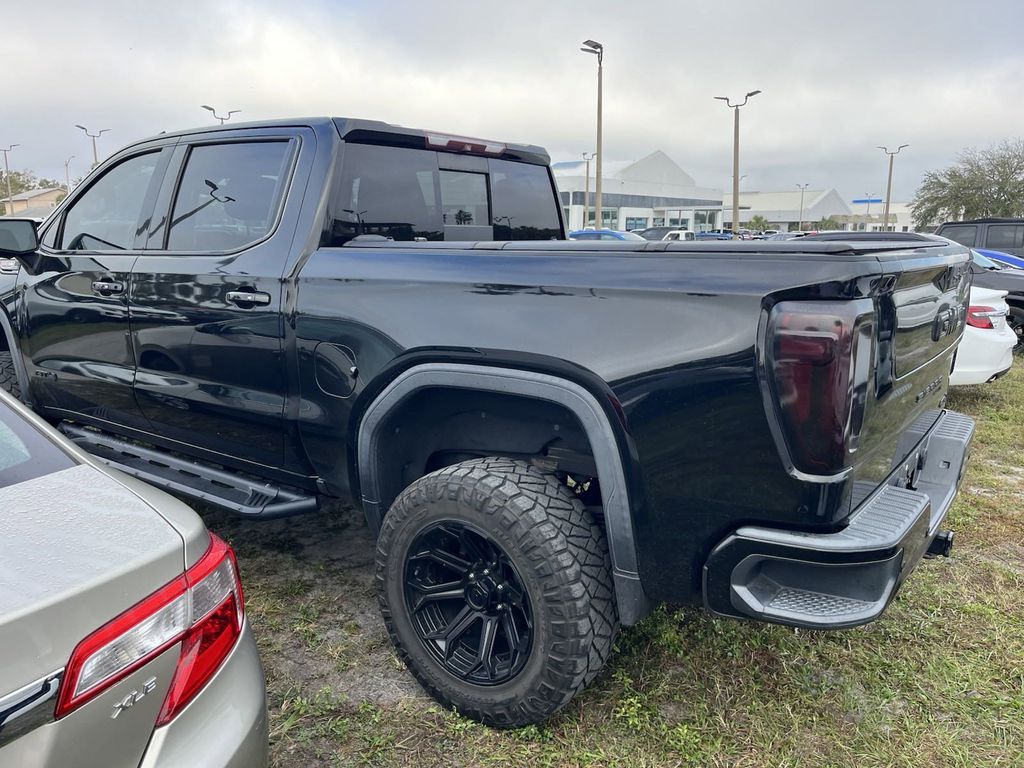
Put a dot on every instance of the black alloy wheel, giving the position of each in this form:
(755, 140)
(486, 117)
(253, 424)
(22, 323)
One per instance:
(468, 604)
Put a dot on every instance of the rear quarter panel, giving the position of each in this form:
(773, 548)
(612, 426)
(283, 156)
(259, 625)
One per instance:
(671, 337)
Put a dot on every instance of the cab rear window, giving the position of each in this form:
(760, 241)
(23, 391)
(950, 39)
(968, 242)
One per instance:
(411, 194)
(25, 453)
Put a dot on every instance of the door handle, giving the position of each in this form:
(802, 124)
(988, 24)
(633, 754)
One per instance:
(249, 298)
(107, 287)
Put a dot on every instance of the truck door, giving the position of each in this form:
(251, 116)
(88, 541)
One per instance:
(75, 332)
(206, 295)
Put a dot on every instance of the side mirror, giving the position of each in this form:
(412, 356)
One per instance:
(18, 238)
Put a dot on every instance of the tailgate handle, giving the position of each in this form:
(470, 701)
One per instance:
(249, 298)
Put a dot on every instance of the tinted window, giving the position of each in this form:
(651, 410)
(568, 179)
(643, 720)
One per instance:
(965, 234)
(389, 191)
(1004, 236)
(464, 199)
(106, 216)
(399, 193)
(523, 201)
(229, 195)
(24, 452)
(586, 236)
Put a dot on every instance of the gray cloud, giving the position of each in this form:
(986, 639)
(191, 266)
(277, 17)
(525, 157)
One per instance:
(838, 79)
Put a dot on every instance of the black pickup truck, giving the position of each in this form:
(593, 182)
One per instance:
(548, 438)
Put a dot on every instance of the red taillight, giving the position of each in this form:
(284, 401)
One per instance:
(202, 609)
(981, 317)
(818, 362)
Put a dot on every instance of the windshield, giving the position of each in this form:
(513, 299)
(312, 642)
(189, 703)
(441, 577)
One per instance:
(25, 452)
(985, 262)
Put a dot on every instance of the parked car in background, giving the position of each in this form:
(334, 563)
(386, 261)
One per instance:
(1006, 235)
(1001, 257)
(603, 234)
(986, 349)
(123, 638)
(660, 233)
(713, 235)
(989, 273)
(779, 236)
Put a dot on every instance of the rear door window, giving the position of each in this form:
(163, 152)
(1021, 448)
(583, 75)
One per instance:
(1000, 236)
(229, 195)
(965, 234)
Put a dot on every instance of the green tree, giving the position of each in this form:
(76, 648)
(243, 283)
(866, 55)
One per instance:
(982, 182)
(758, 223)
(827, 223)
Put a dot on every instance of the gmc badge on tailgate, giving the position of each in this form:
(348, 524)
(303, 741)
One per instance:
(946, 322)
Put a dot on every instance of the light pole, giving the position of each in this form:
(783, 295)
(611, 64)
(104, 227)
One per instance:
(67, 174)
(586, 194)
(7, 175)
(93, 136)
(736, 159)
(218, 117)
(594, 47)
(888, 186)
(867, 212)
(802, 188)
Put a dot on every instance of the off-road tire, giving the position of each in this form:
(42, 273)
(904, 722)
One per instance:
(561, 556)
(8, 376)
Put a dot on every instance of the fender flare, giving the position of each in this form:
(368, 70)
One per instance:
(632, 603)
(7, 329)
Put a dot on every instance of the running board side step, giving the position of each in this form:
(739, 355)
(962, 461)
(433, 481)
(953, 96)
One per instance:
(202, 482)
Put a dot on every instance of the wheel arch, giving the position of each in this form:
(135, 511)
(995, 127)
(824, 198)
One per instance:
(557, 391)
(8, 343)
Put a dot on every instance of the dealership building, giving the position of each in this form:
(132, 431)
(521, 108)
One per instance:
(650, 192)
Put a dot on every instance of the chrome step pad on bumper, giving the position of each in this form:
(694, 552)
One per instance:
(847, 578)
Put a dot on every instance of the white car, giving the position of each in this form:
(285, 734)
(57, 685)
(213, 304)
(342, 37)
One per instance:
(986, 349)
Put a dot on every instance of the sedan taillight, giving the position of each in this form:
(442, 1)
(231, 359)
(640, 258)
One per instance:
(203, 609)
(979, 316)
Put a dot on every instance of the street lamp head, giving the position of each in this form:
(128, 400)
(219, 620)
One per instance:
(594, 45)
(82, 127)
(588, 50)
(105, 130)
(752, 93)
(902, 146)
(233, 112)
(207, 108)
(722, 98)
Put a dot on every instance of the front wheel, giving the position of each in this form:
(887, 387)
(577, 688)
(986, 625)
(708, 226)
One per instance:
(9, 376)
(496, 588)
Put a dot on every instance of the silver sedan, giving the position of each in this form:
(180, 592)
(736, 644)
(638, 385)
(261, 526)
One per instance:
(123, 637)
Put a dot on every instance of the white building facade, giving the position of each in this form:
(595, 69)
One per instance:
(651, 192)
(787, 210)
(866, 216)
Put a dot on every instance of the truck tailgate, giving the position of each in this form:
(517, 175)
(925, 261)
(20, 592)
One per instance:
(918, 328)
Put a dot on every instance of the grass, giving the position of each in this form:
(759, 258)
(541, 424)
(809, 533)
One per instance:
(938, 681)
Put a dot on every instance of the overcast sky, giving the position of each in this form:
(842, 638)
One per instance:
(837, 78)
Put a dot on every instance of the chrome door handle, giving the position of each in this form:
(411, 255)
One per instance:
(249, 298)
(107, 287)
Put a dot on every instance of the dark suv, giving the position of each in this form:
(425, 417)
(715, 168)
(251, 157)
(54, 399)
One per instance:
(1006, 235)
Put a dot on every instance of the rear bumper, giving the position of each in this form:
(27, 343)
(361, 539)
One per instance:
(847, 578)
(225, 725)
(983, 356)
